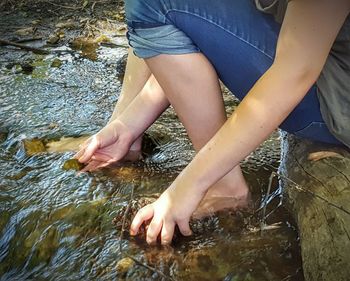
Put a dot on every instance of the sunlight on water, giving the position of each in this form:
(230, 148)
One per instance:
(57, 225)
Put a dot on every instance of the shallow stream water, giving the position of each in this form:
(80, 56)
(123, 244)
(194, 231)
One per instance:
(57, 225)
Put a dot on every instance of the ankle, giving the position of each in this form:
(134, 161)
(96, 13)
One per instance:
(230, 187)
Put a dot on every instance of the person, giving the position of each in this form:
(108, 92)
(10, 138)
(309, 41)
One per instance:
(290, 71)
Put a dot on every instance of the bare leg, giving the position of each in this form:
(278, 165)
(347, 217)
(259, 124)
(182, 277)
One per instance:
(191, 85)
(136, 75)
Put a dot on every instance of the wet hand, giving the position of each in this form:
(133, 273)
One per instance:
(174, 207)
(109, 145)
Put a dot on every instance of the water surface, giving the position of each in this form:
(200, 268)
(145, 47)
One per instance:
(55, 225)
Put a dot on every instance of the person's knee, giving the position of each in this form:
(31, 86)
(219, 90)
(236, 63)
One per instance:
(148, 12)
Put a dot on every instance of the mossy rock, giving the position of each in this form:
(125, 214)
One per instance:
(4, 219)
(72, 164)
(56, 63)
(3, 136)
(33, 147)
(124, 265)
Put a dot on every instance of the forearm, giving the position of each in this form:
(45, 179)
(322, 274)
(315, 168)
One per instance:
(145, 108)
(267, 104)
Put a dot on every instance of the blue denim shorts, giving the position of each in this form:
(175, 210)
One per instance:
(237, 39)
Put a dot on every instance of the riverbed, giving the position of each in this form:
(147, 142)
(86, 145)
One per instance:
(56, 224)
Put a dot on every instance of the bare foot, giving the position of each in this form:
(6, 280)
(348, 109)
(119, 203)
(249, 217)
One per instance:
(211, 205)
(230, 194)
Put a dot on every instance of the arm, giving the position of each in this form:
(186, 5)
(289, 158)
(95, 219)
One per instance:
(308, 32)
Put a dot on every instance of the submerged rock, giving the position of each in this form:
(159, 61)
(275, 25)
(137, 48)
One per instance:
(27, 68)
(3, 136)
(134, 206)
(72, 164)
(66, 144)
(33, 146)
(56, 63)
(25, 31)
(53, 39)
(69, 24)
(124, 265)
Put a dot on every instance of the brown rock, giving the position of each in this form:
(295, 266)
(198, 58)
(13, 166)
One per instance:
(33, 147)
(124, 265)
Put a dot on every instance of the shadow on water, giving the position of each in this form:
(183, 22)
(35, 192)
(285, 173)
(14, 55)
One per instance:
(57, 225)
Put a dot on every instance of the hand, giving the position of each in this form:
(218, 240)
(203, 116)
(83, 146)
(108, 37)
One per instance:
(174, 207)
(109, 145)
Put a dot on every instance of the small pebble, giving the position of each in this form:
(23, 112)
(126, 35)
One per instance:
(72, 164)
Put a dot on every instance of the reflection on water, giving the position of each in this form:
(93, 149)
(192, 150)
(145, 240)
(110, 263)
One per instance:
(57, 225)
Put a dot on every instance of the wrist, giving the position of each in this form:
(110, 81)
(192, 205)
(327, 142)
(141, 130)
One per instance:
(188, 183)
(125, 133)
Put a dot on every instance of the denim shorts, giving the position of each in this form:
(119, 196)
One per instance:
(236, 38)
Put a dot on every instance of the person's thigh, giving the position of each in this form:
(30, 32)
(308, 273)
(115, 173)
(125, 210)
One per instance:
(238, 40)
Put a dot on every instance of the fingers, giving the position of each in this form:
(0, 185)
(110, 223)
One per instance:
(92, 166)
(142, 215)
(153, 230)
(82, 147)
(167, 232)
(184, 227)
(101, 157)
(89, 150)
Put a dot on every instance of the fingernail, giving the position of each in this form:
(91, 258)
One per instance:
(132, 233)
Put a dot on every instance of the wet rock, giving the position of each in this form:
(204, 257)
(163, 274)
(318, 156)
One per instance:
(124, 265)
(24, 67)
(135, 205)
(36, 22)
(162, 257)
(56, 63)
(32, 238)
(3, 136)
(46, 246)
(53, 126)
(72, 164)
(27, 68)
(25, 31)
(17, 176)
(102, 39)
(65, 144)
(125, 173)
(69, 24)
(88, 46)
(53, 39)
(121, 67)
(4, 219)
(34, 146)
(122, 30)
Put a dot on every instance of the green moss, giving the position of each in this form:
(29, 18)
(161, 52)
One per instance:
(72, 164)
(56, 63)
(4, 219)
(33, 146)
